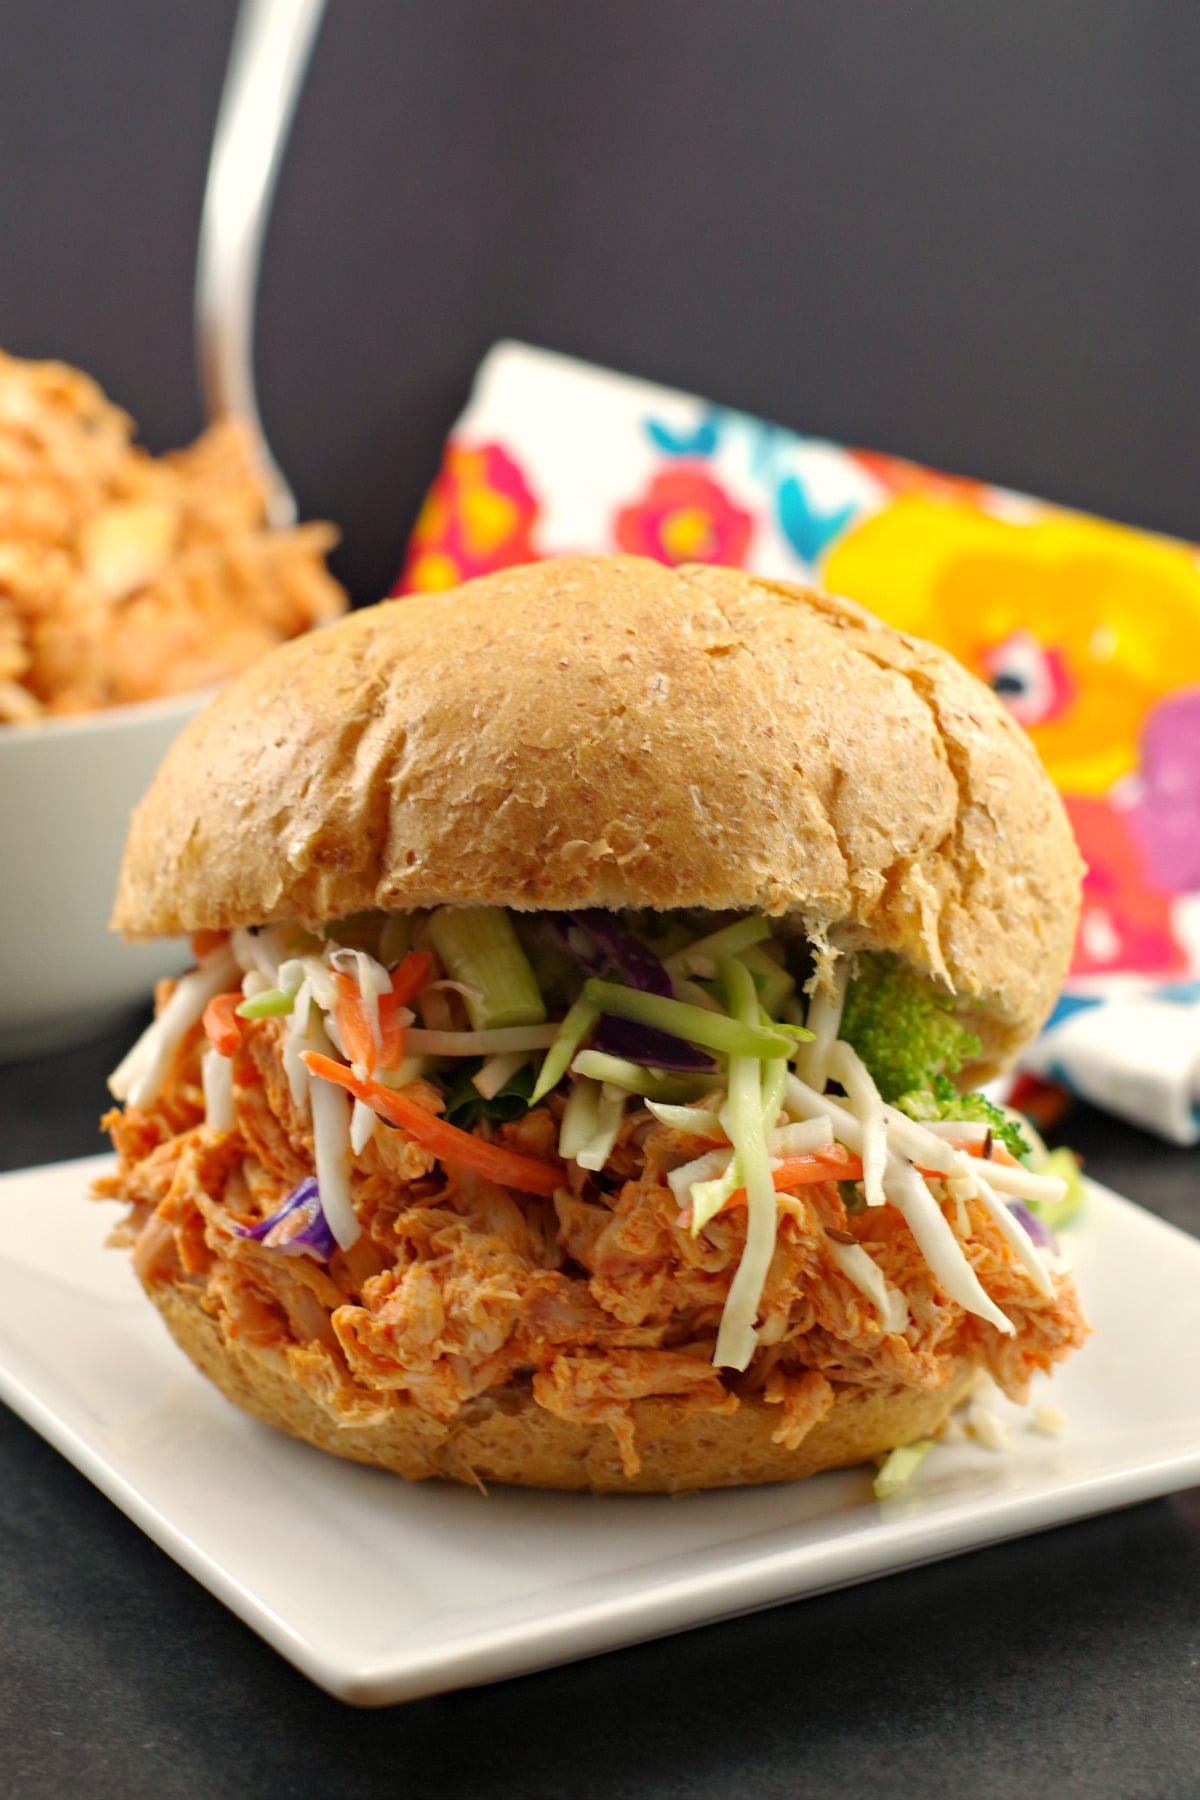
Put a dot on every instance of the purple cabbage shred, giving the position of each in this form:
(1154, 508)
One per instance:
(298, 1228)
(1040, 1232)
(634, 961)
(650, 1047)
(599, 945)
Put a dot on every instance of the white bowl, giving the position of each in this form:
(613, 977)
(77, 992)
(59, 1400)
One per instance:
(67, 788)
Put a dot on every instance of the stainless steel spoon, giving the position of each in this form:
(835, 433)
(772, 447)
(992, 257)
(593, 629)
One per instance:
(267, 62)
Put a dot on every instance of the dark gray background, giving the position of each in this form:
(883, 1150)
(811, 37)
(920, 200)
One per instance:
(968, 232)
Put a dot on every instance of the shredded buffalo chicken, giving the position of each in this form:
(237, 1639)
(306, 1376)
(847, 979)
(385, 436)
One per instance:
(597, 1298)
(125, 576)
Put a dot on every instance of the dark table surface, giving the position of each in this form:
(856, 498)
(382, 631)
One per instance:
(961, 233)
(1067, 1663)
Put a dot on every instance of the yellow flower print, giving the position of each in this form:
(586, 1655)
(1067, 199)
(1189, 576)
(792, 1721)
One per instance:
(478, 516)
(1081, 626)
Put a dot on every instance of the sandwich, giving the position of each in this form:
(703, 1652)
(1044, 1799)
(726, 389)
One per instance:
(577, 1086)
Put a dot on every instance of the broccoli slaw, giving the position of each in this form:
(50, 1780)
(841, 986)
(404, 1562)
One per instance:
(443, 1023)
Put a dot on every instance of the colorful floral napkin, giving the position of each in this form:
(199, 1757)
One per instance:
(1090, 632)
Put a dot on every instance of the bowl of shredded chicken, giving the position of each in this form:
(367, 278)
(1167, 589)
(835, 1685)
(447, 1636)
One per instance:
(131, 585)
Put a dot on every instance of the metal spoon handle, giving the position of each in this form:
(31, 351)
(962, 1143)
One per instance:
(271, 45)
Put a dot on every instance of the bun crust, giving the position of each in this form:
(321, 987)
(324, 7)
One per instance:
(608, 732)
(508, 1437)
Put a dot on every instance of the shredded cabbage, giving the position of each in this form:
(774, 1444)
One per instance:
(966, 1131)
(497, 1071)
(1021, 1183)
(139, 1076)
(898, 1468)
(413, 1068)
(610, 1110)
(918, 1143)
(804, 1102)
(847, 1066)
(262, 951)
(331, 1144)
(291, 974)
(710, 1195)
(216, 1078)
(985, 1427)
(860, 1268)
(321, 984)
(373, 980)
(682, 1180)
(295, 1043)
(579, 1120)
(937, 1243)
(1011, 1230)
(363, 1120)
(698, 1121)
(824, 1021)
(801, 1139)
(736, 1338)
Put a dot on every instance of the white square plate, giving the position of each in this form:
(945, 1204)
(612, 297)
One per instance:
(383, 1592)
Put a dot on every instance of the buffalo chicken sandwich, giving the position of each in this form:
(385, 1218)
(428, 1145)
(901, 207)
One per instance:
(594, 969)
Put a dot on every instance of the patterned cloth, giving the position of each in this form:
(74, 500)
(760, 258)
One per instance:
(1090, 631)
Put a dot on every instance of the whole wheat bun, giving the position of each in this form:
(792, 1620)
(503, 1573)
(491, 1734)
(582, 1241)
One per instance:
(608, 732)
(506, 1436)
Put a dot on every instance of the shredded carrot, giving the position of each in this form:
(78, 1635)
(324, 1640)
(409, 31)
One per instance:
(391, 1033)
(205, 942)
(358, 1040)
(999, 1152)
(411, 975)
(838, 1165)
(222, 1024)
(448, 1143)
(805, 1171)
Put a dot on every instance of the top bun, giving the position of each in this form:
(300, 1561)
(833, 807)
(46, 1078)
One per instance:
(608, 732)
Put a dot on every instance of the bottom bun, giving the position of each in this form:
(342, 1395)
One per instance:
(506, 1436)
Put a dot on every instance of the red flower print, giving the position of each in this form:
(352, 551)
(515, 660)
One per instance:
(477, 516)
(1126, 922)
(685, 517)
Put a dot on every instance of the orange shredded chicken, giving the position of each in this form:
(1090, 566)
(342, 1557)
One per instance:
(596, 1298)
(125, 576)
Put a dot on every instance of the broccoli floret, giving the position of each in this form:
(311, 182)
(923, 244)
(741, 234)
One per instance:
(902, 1027)
(941, 1100)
